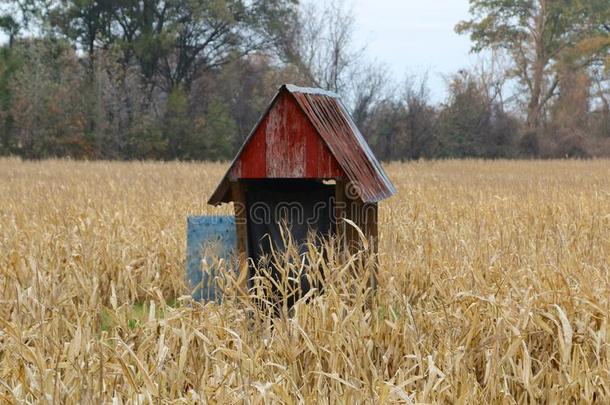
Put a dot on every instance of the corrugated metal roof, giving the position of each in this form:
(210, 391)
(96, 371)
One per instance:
(335, 125)
(333, 122)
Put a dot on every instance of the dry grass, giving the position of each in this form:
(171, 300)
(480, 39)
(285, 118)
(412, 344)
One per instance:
(493, 288)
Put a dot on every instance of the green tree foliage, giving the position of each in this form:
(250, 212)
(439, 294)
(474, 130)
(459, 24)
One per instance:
(385, 129)
(404, 126)
(172, 40)
(47, 102)
(193, 136)
(220, 132)
(10, 63)
(472, 125)
(11, 27)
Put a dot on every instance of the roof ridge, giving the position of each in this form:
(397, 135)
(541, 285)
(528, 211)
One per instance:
(310, 90)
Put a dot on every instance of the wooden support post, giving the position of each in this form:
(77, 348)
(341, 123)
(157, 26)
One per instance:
(370, 226)
(365, 216)
(371, 231)
(238, 191)
(340, 207)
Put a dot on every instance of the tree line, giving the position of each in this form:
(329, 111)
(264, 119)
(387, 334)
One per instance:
(187, 79)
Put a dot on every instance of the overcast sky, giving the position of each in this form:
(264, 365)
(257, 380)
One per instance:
(415, 36)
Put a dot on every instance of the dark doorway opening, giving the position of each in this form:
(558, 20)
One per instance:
(305, 207)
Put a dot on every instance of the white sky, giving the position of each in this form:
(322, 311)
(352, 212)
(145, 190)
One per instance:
(415, 37)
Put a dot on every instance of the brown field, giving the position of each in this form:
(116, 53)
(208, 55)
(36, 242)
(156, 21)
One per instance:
(494, 287)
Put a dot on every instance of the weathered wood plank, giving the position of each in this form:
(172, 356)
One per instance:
(286, 145)
(238, 191)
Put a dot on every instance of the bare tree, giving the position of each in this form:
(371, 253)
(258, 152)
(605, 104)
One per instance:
(420, 117)
(367, 88)
(601, 101)
(539, 35)
(322, 44)
(323, 48)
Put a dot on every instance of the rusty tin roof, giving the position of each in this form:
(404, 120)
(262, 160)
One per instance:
(332, 121)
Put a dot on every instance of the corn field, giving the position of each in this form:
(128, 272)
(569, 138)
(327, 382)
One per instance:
(493, 287)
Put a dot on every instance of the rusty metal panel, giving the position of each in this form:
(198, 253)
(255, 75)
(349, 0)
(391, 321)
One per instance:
(332, 121)
(320, 163)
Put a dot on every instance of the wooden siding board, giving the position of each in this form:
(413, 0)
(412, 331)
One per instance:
(295, 136)
(273, 135)
(286, 145)
(313, 156)
(254, 162)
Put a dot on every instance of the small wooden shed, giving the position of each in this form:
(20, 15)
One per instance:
(306, 152)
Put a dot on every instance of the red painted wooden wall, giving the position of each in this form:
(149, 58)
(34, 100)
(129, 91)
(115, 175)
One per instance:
(286, 145)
